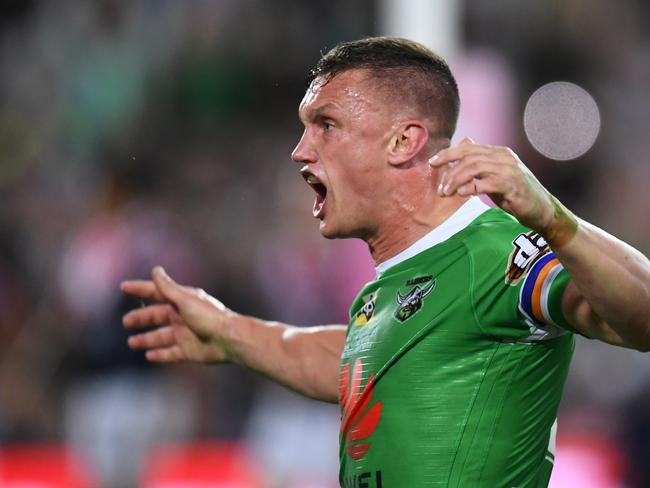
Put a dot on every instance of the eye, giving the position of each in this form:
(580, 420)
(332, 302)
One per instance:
(327, 125)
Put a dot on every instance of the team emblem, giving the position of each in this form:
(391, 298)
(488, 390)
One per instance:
(364, 315)
(528, 248)
(410, 303)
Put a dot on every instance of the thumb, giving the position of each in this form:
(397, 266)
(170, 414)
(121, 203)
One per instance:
(466, 140)
(168, 288)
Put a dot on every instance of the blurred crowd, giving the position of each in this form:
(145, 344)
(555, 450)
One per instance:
(159, 132)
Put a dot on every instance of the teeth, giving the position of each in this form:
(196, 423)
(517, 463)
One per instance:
(312, 179)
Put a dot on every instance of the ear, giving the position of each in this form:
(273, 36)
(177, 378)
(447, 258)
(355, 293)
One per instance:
(406, 142)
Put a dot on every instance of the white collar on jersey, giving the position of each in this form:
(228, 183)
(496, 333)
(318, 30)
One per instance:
(456, 222)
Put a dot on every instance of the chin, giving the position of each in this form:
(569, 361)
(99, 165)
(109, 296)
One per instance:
(329, 231)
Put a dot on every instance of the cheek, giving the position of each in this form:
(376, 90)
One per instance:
(351, 177)
(361, 189)
(357, 168)
(368, 169)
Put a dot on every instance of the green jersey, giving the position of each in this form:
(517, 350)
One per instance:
(455, 359)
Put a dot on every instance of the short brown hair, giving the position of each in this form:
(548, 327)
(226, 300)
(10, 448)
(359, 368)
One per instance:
(421, 76)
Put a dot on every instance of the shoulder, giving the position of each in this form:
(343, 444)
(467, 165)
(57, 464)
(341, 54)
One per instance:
(497, 243)
(493, 226)
(496, 234)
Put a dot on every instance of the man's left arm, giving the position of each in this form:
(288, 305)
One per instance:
(608, 297)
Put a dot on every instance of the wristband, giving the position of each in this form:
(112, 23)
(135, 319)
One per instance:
(564, 227)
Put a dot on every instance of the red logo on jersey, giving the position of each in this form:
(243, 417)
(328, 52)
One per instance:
(358, 421)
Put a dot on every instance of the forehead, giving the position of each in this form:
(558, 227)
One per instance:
(349, 91)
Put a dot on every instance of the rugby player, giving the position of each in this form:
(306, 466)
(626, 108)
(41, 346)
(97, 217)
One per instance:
(451, 369)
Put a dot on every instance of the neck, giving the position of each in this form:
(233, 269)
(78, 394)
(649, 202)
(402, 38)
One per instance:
(410, 223)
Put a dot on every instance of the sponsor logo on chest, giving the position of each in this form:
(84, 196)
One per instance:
(367, 312)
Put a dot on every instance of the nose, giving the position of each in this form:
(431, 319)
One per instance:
(303, 152)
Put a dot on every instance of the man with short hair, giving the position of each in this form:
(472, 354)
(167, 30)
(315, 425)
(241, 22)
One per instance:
(451, 369)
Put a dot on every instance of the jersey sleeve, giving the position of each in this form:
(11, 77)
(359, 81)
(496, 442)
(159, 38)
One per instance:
(517, 283)
(540, 294)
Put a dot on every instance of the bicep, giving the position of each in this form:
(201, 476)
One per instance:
(581, 316)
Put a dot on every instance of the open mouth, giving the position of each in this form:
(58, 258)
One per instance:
(321, 193)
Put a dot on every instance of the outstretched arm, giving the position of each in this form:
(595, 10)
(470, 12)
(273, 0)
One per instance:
(194, 326)
(608, 297)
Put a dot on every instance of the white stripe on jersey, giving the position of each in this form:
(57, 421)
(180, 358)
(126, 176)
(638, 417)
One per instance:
(546, 288)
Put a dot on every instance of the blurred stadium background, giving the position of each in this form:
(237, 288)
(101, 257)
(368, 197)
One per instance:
(159, 131)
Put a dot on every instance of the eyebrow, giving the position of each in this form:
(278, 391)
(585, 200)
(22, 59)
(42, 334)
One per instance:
(313, 113)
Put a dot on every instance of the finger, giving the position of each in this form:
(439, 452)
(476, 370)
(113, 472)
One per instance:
(160, 314)
(487, 185)
(466, 172)
(467, 180)
(162, 337)
(144, 289)
(476, 186)
(466, 140)
(172, 354)
(452, 168)
(461, 174)
(455, 153)
(168, 288)
(468, 189)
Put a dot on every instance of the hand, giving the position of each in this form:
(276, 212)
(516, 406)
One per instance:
(188, 321)
(470, 169)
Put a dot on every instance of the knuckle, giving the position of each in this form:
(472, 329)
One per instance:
(467, 169)
(473, 165)
(509, 154)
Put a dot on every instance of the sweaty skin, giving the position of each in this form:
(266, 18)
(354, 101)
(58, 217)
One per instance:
(371, 156)
(372, 159)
